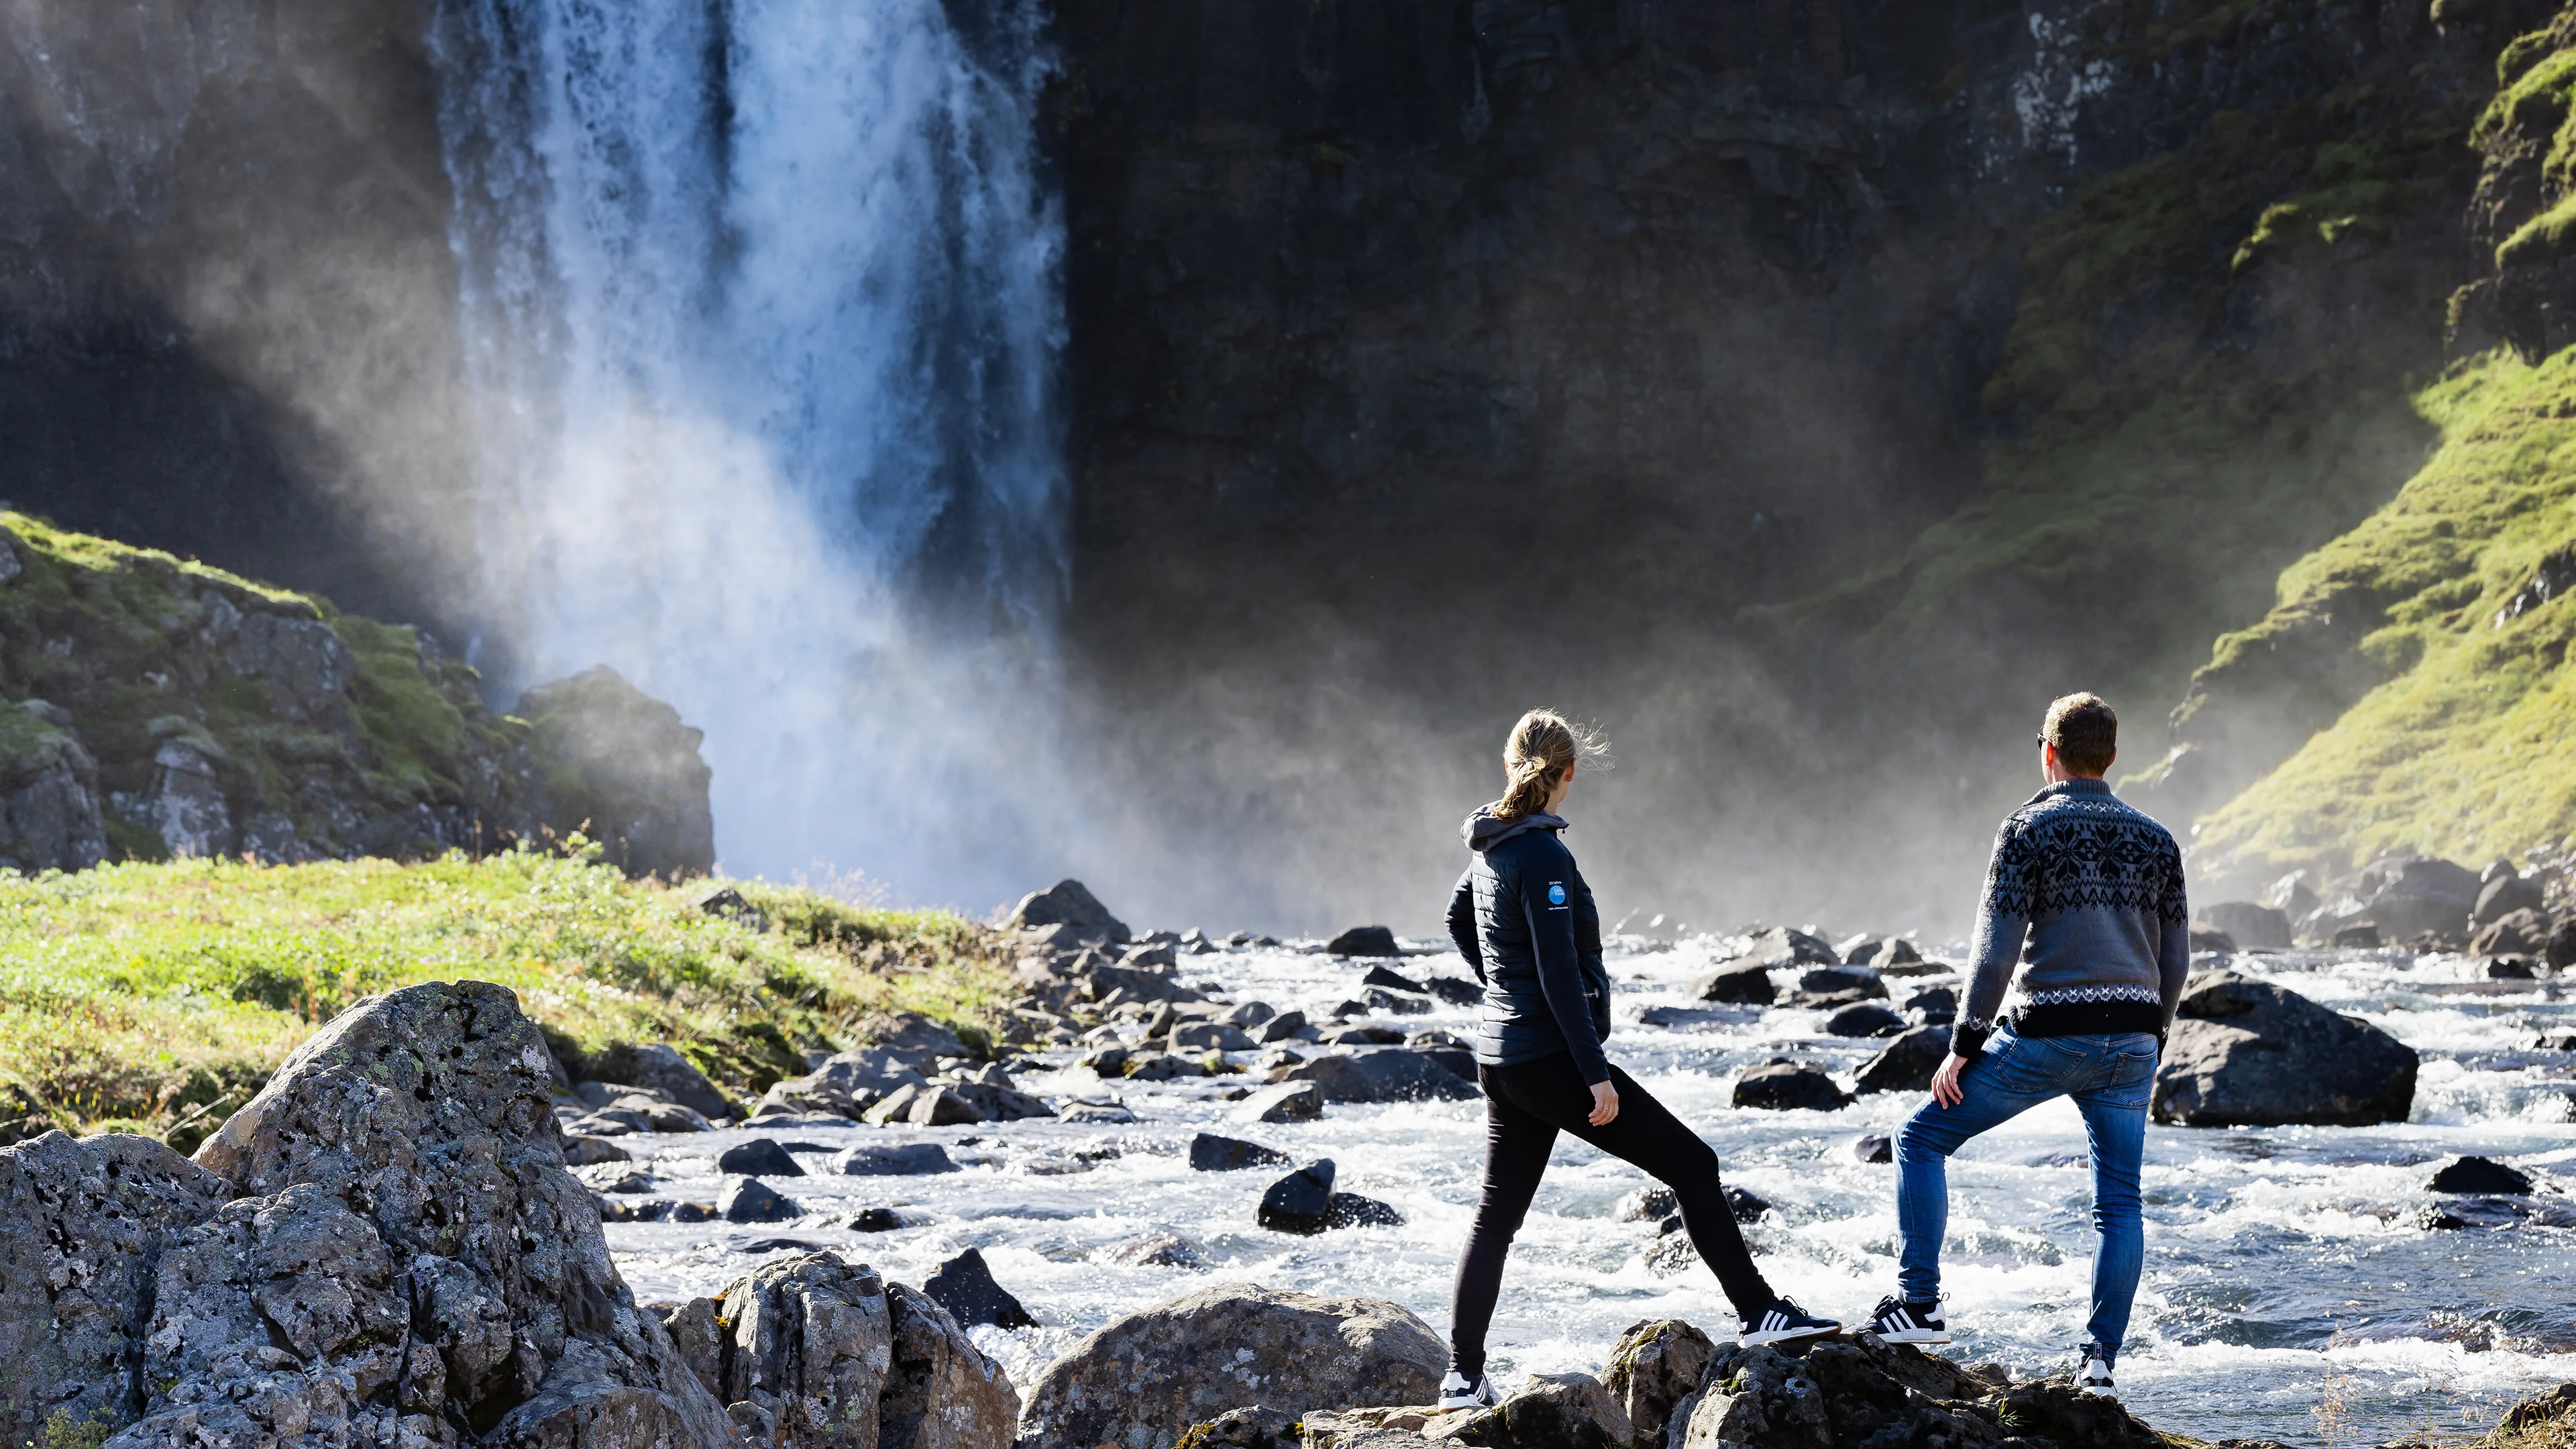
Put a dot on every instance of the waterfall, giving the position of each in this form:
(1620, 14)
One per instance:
(761, 310)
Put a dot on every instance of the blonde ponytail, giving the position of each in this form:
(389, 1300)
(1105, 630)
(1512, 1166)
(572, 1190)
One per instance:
(1543, 746)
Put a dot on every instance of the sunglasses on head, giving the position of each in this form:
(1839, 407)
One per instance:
(2040, 740)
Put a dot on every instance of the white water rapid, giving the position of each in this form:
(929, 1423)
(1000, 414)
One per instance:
(761, 313)
(2290, 1291)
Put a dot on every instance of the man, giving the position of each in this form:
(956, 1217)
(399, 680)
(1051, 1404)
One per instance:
(2086, 895)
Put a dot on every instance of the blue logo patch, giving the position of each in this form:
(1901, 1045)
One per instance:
(1556, 895)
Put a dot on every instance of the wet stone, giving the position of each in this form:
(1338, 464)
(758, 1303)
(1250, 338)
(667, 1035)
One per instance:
(1211, 1153)
(749, 1200)
(760, 1157)
(1350, 1210)
(1781, 1086)
(2480, 1175)
(1301, 1202)
(909, 1160)
(964, 1286)
(1864, 1019)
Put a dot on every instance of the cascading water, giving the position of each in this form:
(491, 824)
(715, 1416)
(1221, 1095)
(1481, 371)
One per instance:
(760, 308)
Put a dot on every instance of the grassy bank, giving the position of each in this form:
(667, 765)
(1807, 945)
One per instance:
(136, 993)
(2468, 746)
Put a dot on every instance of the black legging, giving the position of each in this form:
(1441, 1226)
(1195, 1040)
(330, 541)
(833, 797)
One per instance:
(1526, 1105)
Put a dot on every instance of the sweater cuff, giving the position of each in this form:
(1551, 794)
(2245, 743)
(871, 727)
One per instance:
(1968, 1038)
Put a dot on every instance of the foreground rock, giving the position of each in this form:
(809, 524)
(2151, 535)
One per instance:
(812, 1352)
(405, 1156)
(83, 1224)
(1654, 1367)
(1142, 1381)
(2247, 1053)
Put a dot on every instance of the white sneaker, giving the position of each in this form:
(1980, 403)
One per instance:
(2096, 1379)
(1457, 1393)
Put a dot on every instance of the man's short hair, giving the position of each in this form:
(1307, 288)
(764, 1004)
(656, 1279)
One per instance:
(2086, 733)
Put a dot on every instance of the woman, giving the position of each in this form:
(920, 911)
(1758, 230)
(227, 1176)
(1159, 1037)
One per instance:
(1525, 921)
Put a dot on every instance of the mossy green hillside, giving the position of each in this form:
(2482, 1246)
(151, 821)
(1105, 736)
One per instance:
(137, 992)
(2468, 746)
(115, 636)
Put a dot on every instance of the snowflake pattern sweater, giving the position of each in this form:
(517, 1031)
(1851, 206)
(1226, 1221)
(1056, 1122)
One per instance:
(2085, 895)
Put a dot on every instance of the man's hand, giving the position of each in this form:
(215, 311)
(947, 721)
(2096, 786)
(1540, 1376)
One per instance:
(1945, 1082)
(1605, 1103)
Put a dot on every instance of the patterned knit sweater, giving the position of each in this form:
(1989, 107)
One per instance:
(2086, 896)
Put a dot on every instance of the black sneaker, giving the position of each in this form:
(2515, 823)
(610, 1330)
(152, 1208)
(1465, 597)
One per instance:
(1898, 1321)
(2095, 1377)
(1782, 1322)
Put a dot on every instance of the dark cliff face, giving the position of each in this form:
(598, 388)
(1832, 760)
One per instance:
(1809, 390)
(224, 289)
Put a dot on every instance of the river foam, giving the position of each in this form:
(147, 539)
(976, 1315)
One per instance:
(2289, 1293)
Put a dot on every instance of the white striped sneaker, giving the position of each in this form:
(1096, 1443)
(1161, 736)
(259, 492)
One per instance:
(1457, 1393)
(1898, 1321)
(2095, 1379)
(1782, 1322)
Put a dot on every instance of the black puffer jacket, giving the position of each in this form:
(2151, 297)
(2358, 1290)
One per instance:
(1525, 921)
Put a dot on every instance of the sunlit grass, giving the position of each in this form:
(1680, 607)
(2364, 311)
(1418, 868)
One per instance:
(135, 992)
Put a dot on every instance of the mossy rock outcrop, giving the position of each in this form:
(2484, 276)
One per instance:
(154, 707)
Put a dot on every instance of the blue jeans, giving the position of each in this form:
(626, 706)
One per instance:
(2110, 1078)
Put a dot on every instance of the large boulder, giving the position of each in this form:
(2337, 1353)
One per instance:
(2247, 1053)
(2410, 895)
(2248, 924)
(620, 765)
(813, 1352)
(1071, 905)
(1142, 1381)
(403, 1167)
(83, 1227)
(1386, 1074)
(49, 816)
(2504, 893)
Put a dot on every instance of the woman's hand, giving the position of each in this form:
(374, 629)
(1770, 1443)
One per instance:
(1945, 1082)
(1605, 1104)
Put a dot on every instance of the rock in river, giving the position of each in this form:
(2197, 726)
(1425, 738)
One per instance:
(1908, 1062)
(2480, 1175)
(1782, 1085)
(1864, 1019)
(1211, 1153)
(964, 1286)
(2247, 1053)
(1744, 981)
(1282, 1102)
(760, 1157)
(749, 1200)
(1364, 941)
(1068, 904)
(1301, 1202)
(1143, 1380)
(909, 1160)
(1388, 1074)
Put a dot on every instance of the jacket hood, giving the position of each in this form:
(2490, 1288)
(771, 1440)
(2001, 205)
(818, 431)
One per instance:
(1484, 830)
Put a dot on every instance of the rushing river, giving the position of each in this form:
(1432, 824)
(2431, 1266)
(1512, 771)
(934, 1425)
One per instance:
(2289, 1293)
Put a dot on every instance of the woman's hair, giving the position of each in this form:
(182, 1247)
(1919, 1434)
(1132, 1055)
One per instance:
(1542, 746)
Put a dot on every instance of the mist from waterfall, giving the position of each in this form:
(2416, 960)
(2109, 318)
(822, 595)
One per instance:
(761, 311)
